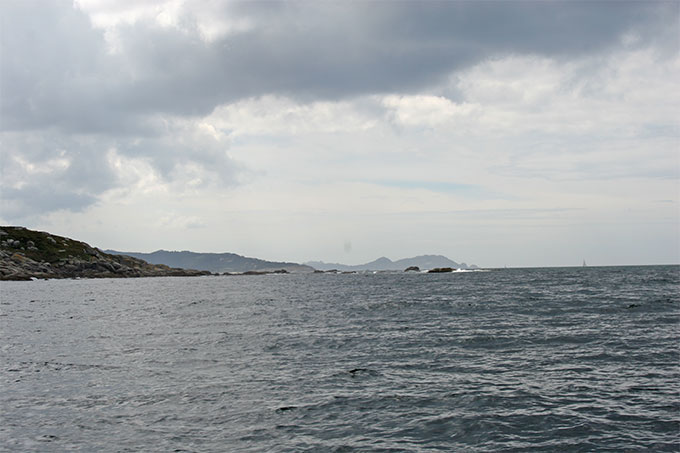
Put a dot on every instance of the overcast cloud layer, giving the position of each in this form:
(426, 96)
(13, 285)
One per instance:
(518, 133)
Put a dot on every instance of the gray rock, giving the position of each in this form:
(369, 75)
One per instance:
(439, 270)
(92, 264)
(107, 266)
(90, 251)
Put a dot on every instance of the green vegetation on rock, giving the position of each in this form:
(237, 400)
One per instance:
(27, 254)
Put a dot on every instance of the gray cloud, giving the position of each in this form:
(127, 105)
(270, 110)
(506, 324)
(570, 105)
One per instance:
(171, 153)
(312, 51)
(51, 62)
(60, 81)
(49, 172)
(36, 199)
(57, 70)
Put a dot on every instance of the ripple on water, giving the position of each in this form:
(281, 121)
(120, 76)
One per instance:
(517, 360)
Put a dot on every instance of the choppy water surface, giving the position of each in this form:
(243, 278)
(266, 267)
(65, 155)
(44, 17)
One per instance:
(513, 360)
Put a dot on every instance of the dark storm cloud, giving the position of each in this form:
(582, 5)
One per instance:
(329, 51)
(57, 70)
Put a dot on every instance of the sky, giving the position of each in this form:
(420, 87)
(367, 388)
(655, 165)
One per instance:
(506, 133)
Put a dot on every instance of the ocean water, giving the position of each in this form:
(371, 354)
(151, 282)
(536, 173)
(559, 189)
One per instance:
(568, 359)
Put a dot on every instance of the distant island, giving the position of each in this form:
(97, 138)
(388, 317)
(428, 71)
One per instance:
(424, 262)
(215, 262)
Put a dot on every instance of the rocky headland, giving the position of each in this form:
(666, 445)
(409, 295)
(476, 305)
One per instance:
(27, 254)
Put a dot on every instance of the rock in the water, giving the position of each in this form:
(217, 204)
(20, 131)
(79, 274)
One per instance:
(412, 269)
(439, 270)
(286, 408)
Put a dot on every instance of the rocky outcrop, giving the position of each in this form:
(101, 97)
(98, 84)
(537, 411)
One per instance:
(440, 270)
(278, 271)
(412, 269)
(26, 254)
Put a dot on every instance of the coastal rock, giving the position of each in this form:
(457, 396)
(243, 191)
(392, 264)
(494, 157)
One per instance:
(265, 272)
(47, 257)
(90, 250)
(412, 269)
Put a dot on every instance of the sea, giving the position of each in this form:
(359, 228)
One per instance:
(542, 359)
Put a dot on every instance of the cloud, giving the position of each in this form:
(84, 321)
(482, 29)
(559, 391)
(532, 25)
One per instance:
(329, 51)
(64, 69)
(320, 110)
(280, 116)
(60, 69)
(49, 171)
(470, 191)
(181, 222)
(184, 148)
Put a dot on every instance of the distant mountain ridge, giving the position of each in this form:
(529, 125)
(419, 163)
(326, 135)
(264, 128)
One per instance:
(214, 262)
(385, 264)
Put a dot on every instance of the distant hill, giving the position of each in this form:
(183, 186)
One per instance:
(213, 262)
(385, 264)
